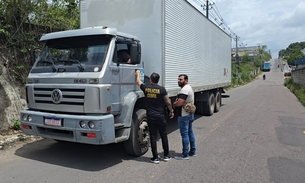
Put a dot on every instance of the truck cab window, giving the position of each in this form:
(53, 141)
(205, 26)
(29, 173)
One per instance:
(86, 52)
(123, 54)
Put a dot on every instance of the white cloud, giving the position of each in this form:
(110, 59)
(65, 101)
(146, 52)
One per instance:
(267, 22)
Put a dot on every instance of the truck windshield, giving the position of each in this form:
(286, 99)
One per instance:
(83, 53)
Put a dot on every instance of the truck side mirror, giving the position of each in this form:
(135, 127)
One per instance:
(135, 53)
(32, 57)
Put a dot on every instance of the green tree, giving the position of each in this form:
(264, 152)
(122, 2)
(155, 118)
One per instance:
(22, 22)
(246, 58)
(282, 53)
(263, 54)
(294, 55)
(59, 14)
(292, 52)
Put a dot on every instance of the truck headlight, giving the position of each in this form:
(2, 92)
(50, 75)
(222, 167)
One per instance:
(24, 117)
(29, 118)
(82, 124)
(91, 124)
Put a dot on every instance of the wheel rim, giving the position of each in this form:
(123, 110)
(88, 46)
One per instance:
(143, 134)
(217, 100)
(212, 103)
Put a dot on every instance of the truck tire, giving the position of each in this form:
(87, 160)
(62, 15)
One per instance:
(209, 106)
(217, 101)
(138, 142)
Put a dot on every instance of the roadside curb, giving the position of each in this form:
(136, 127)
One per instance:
(9, 140)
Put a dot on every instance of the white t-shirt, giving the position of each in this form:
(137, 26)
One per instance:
(187, 90)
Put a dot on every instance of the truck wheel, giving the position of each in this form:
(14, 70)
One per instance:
(209, 106)
(138, 142)
(217, 101)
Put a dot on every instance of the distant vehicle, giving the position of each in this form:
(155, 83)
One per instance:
(287, 73)
(266, 66)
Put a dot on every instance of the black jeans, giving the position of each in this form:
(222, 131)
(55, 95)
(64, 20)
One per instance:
(155, 125)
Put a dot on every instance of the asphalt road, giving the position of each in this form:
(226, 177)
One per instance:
(257, 136)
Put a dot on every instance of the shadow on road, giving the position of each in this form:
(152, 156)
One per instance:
(74, 155)
(83, 156)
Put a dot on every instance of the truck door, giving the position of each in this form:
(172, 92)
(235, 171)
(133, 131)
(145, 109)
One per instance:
(122, 75)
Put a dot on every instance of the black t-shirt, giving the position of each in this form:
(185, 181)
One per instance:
(154, 99)
(123, 56)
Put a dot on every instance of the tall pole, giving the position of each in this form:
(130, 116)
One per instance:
(236, 59)
(207, 9)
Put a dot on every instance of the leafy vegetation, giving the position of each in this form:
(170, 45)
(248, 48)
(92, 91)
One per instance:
(16, 125)
(296, 89)
(247, 72)
(292, 52)
(23, 22)
(248, 67)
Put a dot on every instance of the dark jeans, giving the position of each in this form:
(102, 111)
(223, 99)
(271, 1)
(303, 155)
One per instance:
(188, 137)
(155, 125)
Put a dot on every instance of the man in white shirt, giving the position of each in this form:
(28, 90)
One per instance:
(185, 119)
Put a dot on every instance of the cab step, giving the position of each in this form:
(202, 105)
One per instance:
(118, 125)
(121, 139)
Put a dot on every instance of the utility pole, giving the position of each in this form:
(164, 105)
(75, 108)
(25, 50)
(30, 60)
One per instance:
(206, 6)
(207, 9)
(236, 59)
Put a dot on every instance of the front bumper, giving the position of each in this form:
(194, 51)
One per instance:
(103, 131)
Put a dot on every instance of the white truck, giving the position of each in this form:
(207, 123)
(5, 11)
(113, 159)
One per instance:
(80, 90)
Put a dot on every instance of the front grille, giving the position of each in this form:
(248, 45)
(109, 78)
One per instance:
(59, 99)
(70, 96)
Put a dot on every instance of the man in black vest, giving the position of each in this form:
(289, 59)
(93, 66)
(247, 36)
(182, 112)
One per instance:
(156, 99)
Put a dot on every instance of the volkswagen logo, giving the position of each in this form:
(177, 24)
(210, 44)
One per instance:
(56, 96)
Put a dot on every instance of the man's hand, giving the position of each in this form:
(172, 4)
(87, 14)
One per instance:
(138, 80)
(171, 114)
(174, 104)
(138, 72)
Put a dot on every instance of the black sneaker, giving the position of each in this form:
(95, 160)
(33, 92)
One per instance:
(167, 158)
(181, 157)
(192, 154)
(154, 160)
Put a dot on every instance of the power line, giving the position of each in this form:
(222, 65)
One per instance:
(213, 14)
(218, 20)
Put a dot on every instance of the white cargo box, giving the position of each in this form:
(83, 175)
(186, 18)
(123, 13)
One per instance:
(176, 38)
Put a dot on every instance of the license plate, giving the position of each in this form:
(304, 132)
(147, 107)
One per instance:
(52, 121)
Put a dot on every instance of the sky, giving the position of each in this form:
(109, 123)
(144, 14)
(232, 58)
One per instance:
(274, 23)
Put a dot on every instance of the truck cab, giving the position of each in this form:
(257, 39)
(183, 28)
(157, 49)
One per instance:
(81, 89)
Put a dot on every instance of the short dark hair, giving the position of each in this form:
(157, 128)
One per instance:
(154, 77)
(185, 76)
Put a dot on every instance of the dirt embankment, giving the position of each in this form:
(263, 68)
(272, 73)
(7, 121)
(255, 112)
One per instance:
(12, 97)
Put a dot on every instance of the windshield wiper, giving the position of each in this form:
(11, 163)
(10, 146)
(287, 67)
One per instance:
(49, 62)
(80, 67)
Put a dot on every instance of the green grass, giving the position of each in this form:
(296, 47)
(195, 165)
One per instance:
(296, 89)
(244, 70)
(16, 125)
